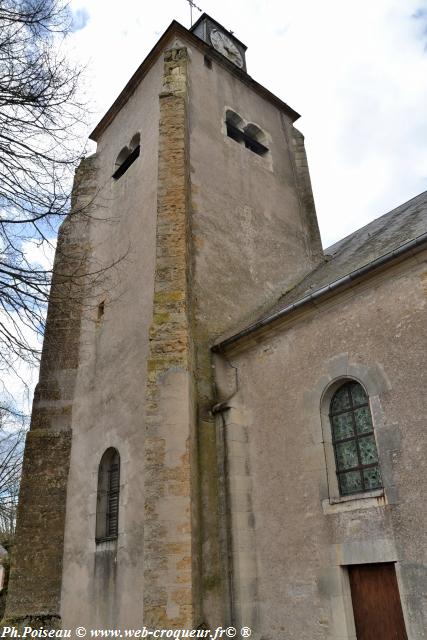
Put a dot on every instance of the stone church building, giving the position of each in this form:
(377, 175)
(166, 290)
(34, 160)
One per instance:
(229, 426)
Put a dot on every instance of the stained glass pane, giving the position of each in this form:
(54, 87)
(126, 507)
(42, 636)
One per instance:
(368, 450)
(363, 420)
(358, 394)
(350, 482)
(346, 454)
(372, 478)
(341, 400)
(343, 426)
(351, 421)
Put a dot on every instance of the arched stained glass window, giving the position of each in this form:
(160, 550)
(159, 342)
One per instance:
(353, 439)
(107, 512)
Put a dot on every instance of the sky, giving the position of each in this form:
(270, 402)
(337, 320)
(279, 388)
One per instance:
(356, 72)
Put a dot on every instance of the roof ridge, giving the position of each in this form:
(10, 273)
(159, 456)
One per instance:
(409, 247)
(368, 224)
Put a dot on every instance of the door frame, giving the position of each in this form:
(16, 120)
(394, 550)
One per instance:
(396, 585)
(348, 602)
(335, 581)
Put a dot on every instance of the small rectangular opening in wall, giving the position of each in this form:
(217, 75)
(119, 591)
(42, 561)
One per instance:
(101, 310)
(208, 62)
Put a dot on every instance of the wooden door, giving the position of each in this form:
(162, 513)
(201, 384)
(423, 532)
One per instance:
(376, 602)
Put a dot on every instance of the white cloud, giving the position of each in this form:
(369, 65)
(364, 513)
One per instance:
(355, 71)
(40, 254)
(80, 19)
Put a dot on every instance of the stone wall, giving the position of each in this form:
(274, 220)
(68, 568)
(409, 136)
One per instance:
(36, 572)
(102, 583)
(170, 547)
(254, 234)
(303, 536)
(205, 234)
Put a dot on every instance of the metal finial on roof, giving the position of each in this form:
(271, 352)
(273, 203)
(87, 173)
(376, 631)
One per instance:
(192, 5)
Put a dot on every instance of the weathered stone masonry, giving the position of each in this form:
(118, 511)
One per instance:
(168, 544)
(37, 557)
(227, 515)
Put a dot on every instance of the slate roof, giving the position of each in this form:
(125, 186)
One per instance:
(398, 232)
(379, 237)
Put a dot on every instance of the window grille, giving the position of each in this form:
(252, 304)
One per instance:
(112, 514)
(108, 499)
(353, 439)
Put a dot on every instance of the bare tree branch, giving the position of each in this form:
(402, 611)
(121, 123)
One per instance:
(40, 122)
(12, 436)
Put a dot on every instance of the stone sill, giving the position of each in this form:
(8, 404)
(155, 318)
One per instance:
(369, 500)
(105, 544)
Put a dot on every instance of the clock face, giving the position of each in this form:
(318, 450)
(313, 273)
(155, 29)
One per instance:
(226, 46)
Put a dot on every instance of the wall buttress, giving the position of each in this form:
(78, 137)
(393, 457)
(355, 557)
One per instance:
(34, 591)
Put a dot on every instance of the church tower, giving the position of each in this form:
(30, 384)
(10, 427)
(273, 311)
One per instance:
(194, 214)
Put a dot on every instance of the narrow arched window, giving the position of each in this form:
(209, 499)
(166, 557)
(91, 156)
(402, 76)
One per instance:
(234, 124)
(127, 157)
(107, 511)
(250, 135)
(353, 439)
(255, 139)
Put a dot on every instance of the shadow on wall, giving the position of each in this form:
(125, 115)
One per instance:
(105, 580)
